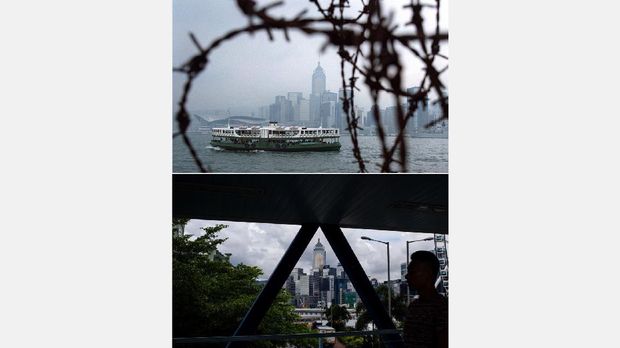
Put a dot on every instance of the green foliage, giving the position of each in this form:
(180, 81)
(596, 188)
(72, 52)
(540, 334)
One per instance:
(340, 316)
(352, 341)
(359, 341)
(363, 318)
(399, 308)
(211, 296)
(179, 221)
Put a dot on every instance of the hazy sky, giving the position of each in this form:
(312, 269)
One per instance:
(248, 72)
(263, 245)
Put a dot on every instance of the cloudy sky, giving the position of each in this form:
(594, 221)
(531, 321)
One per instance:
(248, 72)
(263, 245)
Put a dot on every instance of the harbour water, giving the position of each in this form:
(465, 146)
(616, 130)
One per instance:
(425, 155)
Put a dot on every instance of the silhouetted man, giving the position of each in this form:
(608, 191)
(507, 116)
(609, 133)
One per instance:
(426, 325)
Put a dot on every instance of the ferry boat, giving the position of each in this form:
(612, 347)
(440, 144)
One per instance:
(276, 138)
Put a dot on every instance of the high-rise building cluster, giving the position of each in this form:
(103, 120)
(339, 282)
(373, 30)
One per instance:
(322, 286)
(424, 114)
(322, 108)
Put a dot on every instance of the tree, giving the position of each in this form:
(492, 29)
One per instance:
(211, 296)
(399, 308)
(338, 316)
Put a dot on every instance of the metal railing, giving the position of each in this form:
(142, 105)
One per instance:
(182, 341)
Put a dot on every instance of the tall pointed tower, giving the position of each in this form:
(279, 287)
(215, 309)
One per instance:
(318, 88)
(318, 80)
(318, 261)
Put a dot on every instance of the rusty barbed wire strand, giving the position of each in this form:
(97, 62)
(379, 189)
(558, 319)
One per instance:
(372, 35)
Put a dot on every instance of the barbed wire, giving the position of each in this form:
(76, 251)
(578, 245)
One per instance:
(372, 37)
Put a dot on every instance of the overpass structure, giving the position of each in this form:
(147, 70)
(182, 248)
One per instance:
(406, 203)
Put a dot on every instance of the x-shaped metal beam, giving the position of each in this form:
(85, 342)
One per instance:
(351, 266)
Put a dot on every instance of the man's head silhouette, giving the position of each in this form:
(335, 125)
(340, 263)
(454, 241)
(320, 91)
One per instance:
(422, 270)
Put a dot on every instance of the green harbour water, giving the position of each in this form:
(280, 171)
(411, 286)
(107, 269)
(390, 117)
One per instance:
(425, 155)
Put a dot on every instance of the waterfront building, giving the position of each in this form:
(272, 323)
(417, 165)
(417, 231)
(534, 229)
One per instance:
(341, 117)
(370, 116)
(389, 120)
(422, 115)
(294, 96)
(360, 114)
(263, 112)
(295, 99)
(314, 108)
(281, 110)
(304, 111)
(328, 114)
(329, 105)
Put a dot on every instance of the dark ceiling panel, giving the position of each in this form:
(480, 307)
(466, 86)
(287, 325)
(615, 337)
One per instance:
(398, 202)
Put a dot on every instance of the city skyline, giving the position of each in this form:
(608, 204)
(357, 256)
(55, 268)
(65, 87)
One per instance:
(248, 72)
(320, 107)
(263, 245)
(307, 108)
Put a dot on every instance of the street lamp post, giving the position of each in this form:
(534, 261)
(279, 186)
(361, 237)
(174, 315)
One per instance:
(388, 275)
(407, 262)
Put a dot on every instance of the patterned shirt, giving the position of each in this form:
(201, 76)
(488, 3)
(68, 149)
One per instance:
(425, 320)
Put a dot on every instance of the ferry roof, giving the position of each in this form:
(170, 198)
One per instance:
(271, 126)
(409, 203)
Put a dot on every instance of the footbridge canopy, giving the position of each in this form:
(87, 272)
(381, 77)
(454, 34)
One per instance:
(408, 203)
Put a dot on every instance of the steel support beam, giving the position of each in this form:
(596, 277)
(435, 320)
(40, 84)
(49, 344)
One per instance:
(362, 285)
(259, 308)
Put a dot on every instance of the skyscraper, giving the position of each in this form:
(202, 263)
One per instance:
(319, 256)
(318, 88)
(329, 105)
(318, 80)
(281, 110)
(295, 98)
(421, 117)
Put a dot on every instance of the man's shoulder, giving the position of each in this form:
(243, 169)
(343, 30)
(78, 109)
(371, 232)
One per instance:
(437, 301)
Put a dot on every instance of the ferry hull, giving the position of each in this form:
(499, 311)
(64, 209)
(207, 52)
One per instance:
(269, 146)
